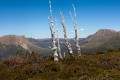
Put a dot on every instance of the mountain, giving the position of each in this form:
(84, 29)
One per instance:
(102, 40)
(15, 40)
(105, 32)
(41, 42)
(11, 44)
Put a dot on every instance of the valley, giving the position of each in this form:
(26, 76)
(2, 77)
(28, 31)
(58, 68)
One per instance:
(102, 40)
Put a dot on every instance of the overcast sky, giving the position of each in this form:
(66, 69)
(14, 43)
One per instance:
(30, 17)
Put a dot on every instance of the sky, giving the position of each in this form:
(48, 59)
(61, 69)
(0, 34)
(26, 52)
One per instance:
(30, 17)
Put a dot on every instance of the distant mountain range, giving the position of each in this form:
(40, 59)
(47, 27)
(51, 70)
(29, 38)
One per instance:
(102, 40)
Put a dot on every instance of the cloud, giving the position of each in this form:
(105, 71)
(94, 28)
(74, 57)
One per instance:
(82, 29)
(79, 30)
(72, 31)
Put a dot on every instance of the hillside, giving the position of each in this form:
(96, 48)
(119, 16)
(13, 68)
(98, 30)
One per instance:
(15, 40)
(11, 44)
(102, 66)
(102, 40)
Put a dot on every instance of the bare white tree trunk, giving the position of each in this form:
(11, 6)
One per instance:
(51, 25)
(67, 44)
(64, 54)
(76, 31)
(59, 49)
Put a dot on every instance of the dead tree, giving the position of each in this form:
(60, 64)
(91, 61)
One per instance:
(51, 25)
(58, 45)
(67, 44)
(76, 31)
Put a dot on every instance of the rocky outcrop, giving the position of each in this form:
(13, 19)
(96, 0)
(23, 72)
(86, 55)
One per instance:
(15, 40)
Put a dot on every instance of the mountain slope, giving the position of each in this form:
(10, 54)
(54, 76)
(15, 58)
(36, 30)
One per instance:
(87, 67)
(10, 44)
(15, 40)
(102, 40)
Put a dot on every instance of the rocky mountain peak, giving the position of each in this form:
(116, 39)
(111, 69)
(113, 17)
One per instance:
(15, 40)
(105, 32)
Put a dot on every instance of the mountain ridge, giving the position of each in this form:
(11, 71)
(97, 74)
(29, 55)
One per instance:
(102, 40)
(15, 40)
(105, 32)
(11, 44)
